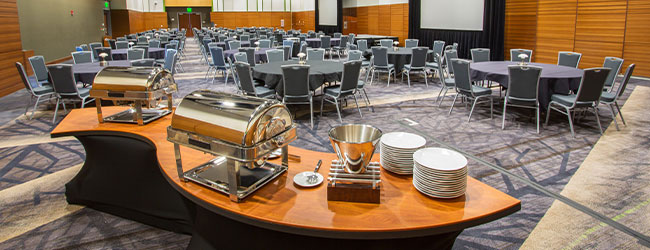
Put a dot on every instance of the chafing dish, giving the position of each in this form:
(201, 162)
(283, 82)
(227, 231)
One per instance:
(141, 85)
(241, 131)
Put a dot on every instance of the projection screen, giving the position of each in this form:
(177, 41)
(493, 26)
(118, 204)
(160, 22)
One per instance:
(327, 12)
(452, 14)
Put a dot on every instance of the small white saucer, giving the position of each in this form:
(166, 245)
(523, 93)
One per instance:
(301, 179)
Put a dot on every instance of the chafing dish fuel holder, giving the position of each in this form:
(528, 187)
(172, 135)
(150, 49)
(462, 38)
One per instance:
(141, 85)
(241, 131)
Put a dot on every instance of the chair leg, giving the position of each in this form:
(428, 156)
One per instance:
(503, 120)
(389, 79)
(56, 110)
(619, 113)
(408, 77)
(356, 103)
(548, 113)
(367, 99)
(338, 111)
(311, 113)
(452, 104)
(611, 108)
(537, 118)
(568, 112)
(491, 107)
(426, 82)
(472, 110)
(442, 98)
(29, 103)
(600, 128)
(38, 99)
(321, 105)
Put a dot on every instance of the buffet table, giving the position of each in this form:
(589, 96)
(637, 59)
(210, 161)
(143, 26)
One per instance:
(130, 171)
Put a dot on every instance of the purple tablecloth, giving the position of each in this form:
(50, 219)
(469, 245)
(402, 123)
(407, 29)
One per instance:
(85, 72)
(223, 44)
(554, 79)
(154, 53)
(315, 42)
(260, 55)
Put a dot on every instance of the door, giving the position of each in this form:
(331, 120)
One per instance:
(189, 21)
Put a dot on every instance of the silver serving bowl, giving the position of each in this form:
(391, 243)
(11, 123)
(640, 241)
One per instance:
(354, 145)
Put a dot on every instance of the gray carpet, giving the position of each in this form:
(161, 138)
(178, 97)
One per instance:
(550, 158)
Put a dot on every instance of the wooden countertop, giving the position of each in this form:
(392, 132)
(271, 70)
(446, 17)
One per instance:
(281, 205)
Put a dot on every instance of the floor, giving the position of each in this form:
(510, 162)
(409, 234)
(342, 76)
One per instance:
(34, 167)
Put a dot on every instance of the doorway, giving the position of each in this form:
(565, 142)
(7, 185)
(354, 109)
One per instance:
(189, 21)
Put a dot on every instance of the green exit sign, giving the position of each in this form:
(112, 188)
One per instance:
(189, 10)
(106, 5)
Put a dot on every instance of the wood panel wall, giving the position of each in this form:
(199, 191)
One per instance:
(185, 3)
(11, 50)
(595, 28)
(304, 20)
(233, 20)
(390, 20)
(124, 22)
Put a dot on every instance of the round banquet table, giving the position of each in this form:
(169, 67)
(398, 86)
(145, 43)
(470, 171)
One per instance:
(85, 72)
(319, 73)
(399, 58)
(223, 44)
(555, 79)
(154, 53)
(315, 42)
(260, 55)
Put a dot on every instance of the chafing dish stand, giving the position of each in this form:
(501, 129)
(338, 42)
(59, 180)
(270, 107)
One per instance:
(241, 131)
(141, 85)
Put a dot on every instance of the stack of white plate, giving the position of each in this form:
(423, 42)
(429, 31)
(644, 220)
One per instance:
(397, 150)
(439, 172)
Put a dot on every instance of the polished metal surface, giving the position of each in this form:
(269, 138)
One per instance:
(371, 178)
(354, 145)
(134, 79)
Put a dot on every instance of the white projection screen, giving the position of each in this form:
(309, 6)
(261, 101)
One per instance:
(452, 14)
(327, 12)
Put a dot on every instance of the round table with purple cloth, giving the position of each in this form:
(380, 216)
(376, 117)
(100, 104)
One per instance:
(154, 53)
(555, 79)
(85, 72)
(320, 72)
(399, 58)
(260, 55)
(223, 44)
(315, 42)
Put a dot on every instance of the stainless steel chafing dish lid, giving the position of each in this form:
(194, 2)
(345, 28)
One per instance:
(241, 120)
(134, 79)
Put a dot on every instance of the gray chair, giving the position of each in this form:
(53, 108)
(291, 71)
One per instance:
(274, 55)
(247, 83)
(303, 47)
(154, 43)
(341, 49)
(348, 87)
(611, 98)
(234, 45)
(315, 54)
(104, 50)
(480, 55)
(337, 35)
(143, 47)
(418, 63)
(438, 49)
(85, 47)
(142, 40)
(250, 55)
(37, 92)
(386, 43)
(523, 90)
(39, 68)
(121, 45)
(411, 43)
(265, 43)
(465, 87)
(296, 87)
(65, 87)
(354, 55)
(219, 63)
(134, 54)
(288, 43)
(143, 63)
(93, 46)
(241, 57)
(112, 44)
(362, 45)
(287, 52)
(588, 96)
(171, 46)
(514, 55)
(569, 59)
(326, 44)
(82, 57)
(614, 64)
(244, 38)
(446, 83)
(380, 63)
(170, 61)
(450, 54)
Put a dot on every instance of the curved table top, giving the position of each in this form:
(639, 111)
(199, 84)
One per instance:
(315, 67)
(123, 51)
(282, 206)
(548, 70)
(94, 67)
(402, 51)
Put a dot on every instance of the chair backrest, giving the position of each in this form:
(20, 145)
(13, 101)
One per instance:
(275, 55)
(119, 39)
(626, 79)
(523, 84)
(438, 47)
(154, 44)
(142, 47)
(170, 60)
(241, 57)
(296, 81)
(462, 76)
(615, 64)
(514, 55)
(111, 42)
(337, 35)
(244, 38)
(411, 43)
(569, 59)
(350, 77)
(245, 77)
(222, 38)
(217, 56)
(344, 42)
(380, 55)
(449, 55)
(121, 45)
(354, 55)
(232, 45)
(104, 50)
(480, 55)
(85, 47)
(82, 57)
(316, 54)
(287, 42)
(441, 72)
(326, 42)
(303, 47)
(591, 86)
(250, 55)
(143, 62)
(142, 39)
(363, 45)
(287, 52)
(387, 43)
(351, 37)
(62, 79)
(23, 76)
(265, 43)
(135, 54)
(93, 46)
(419, 57)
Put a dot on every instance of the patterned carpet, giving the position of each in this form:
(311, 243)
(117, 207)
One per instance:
(34, 168)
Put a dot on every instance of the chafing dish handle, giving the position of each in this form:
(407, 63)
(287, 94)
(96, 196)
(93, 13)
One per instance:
(179, 162)
(98, 103)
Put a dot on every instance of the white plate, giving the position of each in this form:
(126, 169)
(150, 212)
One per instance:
(440, 159)
(301, 179)
(403, 140)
